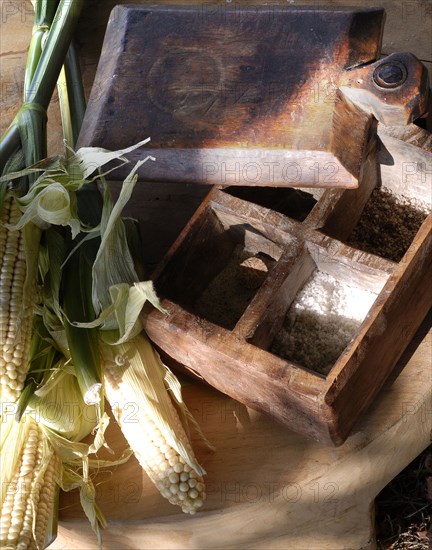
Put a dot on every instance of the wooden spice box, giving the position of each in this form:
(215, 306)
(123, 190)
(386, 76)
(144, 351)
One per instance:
(224, 93)
(236, 355)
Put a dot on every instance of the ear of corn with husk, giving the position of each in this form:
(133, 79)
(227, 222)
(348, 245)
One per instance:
(136, 384)
(30, 472)
(18, 269)
(41, 453)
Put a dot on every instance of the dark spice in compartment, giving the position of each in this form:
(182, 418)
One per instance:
(321, 321)
(290, 202)
(229, 293)
(388, 224)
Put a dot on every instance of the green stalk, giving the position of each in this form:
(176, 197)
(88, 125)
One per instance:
(54, 52)
(42, 85)
(77, 277)
(10, 144)
(78, 306)
(44, 15)
(75, 92)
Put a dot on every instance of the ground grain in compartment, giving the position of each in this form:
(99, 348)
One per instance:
(321, 321)
(229, 293)
(388, 224)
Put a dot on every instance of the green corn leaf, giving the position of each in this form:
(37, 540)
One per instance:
(57, 250)
(3, 191)
(83, 342)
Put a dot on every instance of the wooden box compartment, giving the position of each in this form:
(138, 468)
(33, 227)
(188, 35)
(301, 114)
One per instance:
(208, 275)
(303, 237)
(319, 309)
(384, 220)
(294, 203)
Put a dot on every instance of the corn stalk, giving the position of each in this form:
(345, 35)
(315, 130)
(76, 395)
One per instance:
(24, 142)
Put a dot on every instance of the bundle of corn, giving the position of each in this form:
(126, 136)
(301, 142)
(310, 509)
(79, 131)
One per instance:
(29, 465)
(84, 251)
(41, 453)
(108, 320)
(62, 237)
(24, 143)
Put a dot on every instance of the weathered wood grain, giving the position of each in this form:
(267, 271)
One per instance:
(407, 28)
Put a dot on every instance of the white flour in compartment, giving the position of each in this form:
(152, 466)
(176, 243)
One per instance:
(323, 318)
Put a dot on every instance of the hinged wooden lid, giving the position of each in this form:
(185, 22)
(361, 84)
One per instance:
(236, 95)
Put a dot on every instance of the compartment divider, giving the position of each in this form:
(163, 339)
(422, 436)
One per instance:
(265, 314)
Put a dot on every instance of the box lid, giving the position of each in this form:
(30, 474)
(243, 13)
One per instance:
(236, 95)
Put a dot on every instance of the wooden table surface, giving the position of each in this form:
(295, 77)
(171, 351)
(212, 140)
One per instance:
(267, 487)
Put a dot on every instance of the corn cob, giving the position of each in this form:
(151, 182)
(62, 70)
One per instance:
(29, 498)
(176, 475)
(15, 314)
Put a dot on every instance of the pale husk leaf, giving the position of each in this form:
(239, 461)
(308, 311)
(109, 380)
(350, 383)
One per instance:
(113, 264)
(90, 159)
